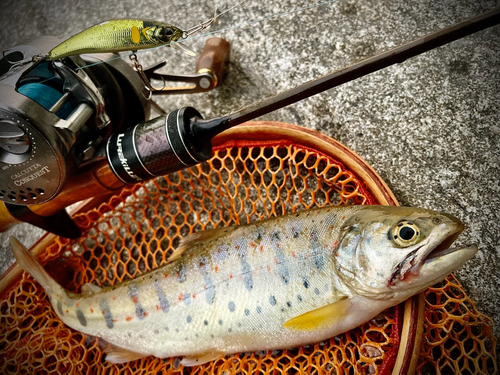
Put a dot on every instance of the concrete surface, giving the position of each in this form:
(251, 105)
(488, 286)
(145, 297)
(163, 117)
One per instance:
(430, 126)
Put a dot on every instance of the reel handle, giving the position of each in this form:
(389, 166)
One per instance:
(213, 59)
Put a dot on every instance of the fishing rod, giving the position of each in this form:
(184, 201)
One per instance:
(182, 138)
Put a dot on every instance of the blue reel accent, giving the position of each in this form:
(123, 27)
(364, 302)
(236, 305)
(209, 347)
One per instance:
(46, 96)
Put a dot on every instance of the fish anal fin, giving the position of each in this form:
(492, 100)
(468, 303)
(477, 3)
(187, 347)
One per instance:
(321, 317)
(115, 354)
(200, 359)
(89, 289)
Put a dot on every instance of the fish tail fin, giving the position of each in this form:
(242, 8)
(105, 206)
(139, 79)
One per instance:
(29, 263)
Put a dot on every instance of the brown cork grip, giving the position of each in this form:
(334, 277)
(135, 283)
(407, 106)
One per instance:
(213, 58)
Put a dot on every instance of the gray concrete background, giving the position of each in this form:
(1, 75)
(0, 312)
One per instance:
(430, 126)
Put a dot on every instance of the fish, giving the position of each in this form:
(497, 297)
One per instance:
(275, 284)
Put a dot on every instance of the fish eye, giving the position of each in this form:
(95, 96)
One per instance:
(167, 31)
(405, 233)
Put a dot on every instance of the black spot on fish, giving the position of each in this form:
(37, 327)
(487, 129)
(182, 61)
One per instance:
(59, 307)
(259, 309)
(205, 322)
(166, 329)
(282, 309)
(299, 298)
(81, 318)
(272, 300)
(189, 319)
(316, 291)
(220, 321)
(289, 304)
(231, 306)
(161, 297)
(108, 317)
(177, 330)
(230, 329)
(305, 282)
(247, 312)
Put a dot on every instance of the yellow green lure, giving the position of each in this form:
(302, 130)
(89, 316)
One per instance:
(121, 35)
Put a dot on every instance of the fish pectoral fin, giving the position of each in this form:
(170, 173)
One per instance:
(89, 289)
(195, 360)
(115, 354)
(321, 317)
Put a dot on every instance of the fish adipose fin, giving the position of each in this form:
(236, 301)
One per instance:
(200, 359)
(115, 354)
(319, 318)
(29, 263)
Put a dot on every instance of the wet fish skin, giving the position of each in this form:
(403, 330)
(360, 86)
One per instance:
(275, 284)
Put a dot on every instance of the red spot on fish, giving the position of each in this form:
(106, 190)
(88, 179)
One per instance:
(294, 254)
(327, 210)
(114, 320)
(103, 312)
(145, 314)
(237, 247)
(230, 275)
(180, 297)
(178, 274)
(216, 269)
(335, 245)
(343, 217)
(201, 264)
(194, 295)
(269, 268)
(252, 243)
(92, 310)
(113, 298)
(261, 248)
(135, 298)
(166, 275)
(67, 311)
(77, 304)
(128, 318)
(158, 307)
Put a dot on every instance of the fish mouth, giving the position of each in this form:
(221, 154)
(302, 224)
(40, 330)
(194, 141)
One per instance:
(409, 268)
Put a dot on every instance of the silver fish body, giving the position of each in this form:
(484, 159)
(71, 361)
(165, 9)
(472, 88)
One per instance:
(275, 284)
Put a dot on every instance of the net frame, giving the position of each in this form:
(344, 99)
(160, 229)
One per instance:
(389, 342)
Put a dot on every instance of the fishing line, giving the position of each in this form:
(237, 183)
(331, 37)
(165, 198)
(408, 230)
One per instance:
(211, 32)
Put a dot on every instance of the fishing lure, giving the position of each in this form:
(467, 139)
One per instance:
(123, 35)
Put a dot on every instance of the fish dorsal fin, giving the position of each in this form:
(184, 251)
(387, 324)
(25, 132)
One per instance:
(195, 360)
(115, 354)
(89, 289)
(320, 318)
(194, 239)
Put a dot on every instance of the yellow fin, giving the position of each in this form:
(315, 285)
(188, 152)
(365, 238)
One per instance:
(200, 359)
(319, 318)
(115, 354)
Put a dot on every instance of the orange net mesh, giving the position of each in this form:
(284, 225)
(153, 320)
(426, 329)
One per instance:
(138, 229)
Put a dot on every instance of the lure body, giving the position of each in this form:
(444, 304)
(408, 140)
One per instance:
(117, 35)
(276, 284)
